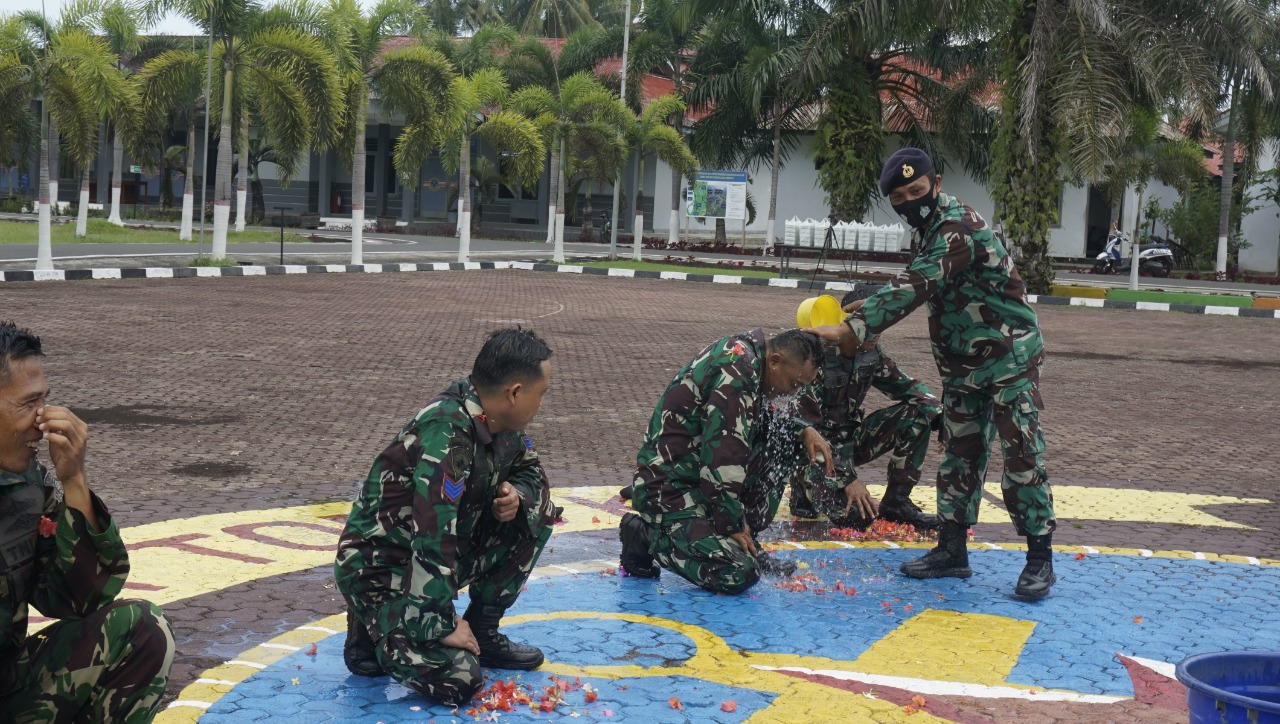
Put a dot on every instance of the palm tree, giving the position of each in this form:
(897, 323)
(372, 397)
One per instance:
(75, 74)
(1070, 72)
(600, 153)
(19, 126)
(120, 26)
(548, 18)
(651, 134)
(172, 87)
(452, 17)
(293, 81)
(414, 79)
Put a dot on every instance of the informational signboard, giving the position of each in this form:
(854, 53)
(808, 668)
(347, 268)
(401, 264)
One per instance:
(135, 169)
(718, 195)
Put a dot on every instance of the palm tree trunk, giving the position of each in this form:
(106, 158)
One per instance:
(554, 190)
(1228, 180)
(771, 234)
(82, 212)
(588, 229)
(637, 229)
(44, 245)
(1137, 222)
(357, 183)
(189, 182)
(55, 152)
(117, 183)
(557, 252)
(222, 179)
(464, 201)
(242, 192)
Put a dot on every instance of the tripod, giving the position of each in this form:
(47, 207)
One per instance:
(828, 242)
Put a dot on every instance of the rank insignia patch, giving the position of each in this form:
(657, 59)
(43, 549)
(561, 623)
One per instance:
(452, 488)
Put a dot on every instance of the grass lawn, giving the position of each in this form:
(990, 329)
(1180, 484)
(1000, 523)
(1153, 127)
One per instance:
(692, 269)
(101, 231)
(1215, 300)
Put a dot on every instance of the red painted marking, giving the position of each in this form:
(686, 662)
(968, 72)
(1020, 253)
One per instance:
(248, 531)
(130, 585)
(179, 542)
(935, 705)
(37, 619)
(1158, 690)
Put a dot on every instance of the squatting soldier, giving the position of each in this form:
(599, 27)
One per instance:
(902, 430)
(701, 487)
(987, 344)
(458, 499)
(103, 660)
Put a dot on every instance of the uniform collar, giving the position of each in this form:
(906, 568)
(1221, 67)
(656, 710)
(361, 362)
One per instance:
(34, 474)
(479, 421)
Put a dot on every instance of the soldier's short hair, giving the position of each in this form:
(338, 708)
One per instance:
(16, 343)
(799, 346)
(862, 291)
(509, 354)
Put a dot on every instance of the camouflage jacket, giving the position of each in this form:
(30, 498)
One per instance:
(834, 403)
(68, 573)
(697, 454)
(426, 505)
(985, 334)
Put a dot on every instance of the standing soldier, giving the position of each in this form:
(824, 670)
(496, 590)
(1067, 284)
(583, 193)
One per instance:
(104, 660)
(701, 487)
(458, 499)
(987, 344)
(848, 372)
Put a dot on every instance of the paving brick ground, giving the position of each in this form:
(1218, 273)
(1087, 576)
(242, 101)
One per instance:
(219, 395)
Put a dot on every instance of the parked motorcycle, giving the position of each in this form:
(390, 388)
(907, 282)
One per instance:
(1153, 259)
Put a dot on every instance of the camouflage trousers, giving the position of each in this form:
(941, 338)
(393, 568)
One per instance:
(971, 421)
(495, 569)
(901, 430)
(110, 666)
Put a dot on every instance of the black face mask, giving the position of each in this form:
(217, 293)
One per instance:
(917, 211)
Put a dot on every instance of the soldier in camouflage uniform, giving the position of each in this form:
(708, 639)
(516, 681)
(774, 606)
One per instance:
(834, 407)
(103, 660)
(459, 498)
(701, 488)
(986, 341)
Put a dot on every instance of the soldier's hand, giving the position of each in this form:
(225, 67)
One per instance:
(67, 436)
(854, 306)
(744, 539)
(857, 495)
(507, 504)
(462, 637)
(815, 445)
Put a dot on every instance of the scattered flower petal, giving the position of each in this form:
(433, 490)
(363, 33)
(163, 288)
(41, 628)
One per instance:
(675, 703)
(47, 527)
(729, 706)
(1080, 556)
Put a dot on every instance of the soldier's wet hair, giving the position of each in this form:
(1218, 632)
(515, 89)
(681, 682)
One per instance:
(798, 346)
(509, 354)
(16, 343)
(862, 291)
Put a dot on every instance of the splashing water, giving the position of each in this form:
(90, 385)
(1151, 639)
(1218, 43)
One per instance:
(782, 449)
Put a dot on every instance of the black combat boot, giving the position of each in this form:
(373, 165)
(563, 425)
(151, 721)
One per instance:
(636, 560)
(950, 559)
(625, 493)
(801, 506)
(496, 650)
(1037, 576)
(771, 565)
(358, 652)
(896, 507)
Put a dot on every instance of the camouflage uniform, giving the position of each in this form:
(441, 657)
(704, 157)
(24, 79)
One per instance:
(833, 404)
(701, 470)
(987, 344)
(423, 528)
(104, 660)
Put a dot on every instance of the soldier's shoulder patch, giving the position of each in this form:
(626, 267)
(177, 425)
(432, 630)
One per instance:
(452, 489)
(528, 442)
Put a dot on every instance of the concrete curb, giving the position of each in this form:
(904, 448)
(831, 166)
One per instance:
(273, 270)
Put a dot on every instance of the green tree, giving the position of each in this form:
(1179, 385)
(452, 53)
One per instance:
(172, 88)
(651, 134)
(548, 18)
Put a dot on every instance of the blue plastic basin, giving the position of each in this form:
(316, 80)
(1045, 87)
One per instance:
(1232, 687)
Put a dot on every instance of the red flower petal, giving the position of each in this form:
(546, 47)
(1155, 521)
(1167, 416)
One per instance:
(1080, 556)
(675, 703)
(729, 706)
(47, 527)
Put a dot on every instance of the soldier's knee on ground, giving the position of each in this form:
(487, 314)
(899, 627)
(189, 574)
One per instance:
(733, 578)
(437, 672)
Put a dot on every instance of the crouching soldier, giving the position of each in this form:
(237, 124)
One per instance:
(901, 430)
(103, 659)
(458, 499)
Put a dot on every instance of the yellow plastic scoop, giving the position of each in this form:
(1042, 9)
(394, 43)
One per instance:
(819, 311)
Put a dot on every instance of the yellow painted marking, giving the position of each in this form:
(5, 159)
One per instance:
(1144, 506)
(949, 646)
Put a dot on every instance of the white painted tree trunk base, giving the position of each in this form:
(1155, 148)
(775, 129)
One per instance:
(557, 253)
(82, 215)
(188, 211)
(242, 196)
(772, 233)
(221, 222)
(551, 223)
(357, 236)
(673, 233)
(44, 245)
(464, 237)
(115, 207)
(637, 236)
(53, 197)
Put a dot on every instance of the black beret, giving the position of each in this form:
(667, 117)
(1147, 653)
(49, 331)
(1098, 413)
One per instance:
(903, 167)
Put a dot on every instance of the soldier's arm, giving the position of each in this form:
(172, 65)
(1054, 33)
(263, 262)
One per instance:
(426, 611)
(901, 387)
(809, 404)
(78, 570)
(530, 482)
(949, 253)
(727, 416)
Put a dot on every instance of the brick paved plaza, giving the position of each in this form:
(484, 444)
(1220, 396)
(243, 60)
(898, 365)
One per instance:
(233, 395)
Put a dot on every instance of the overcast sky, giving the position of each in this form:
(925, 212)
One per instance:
(172, 25)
